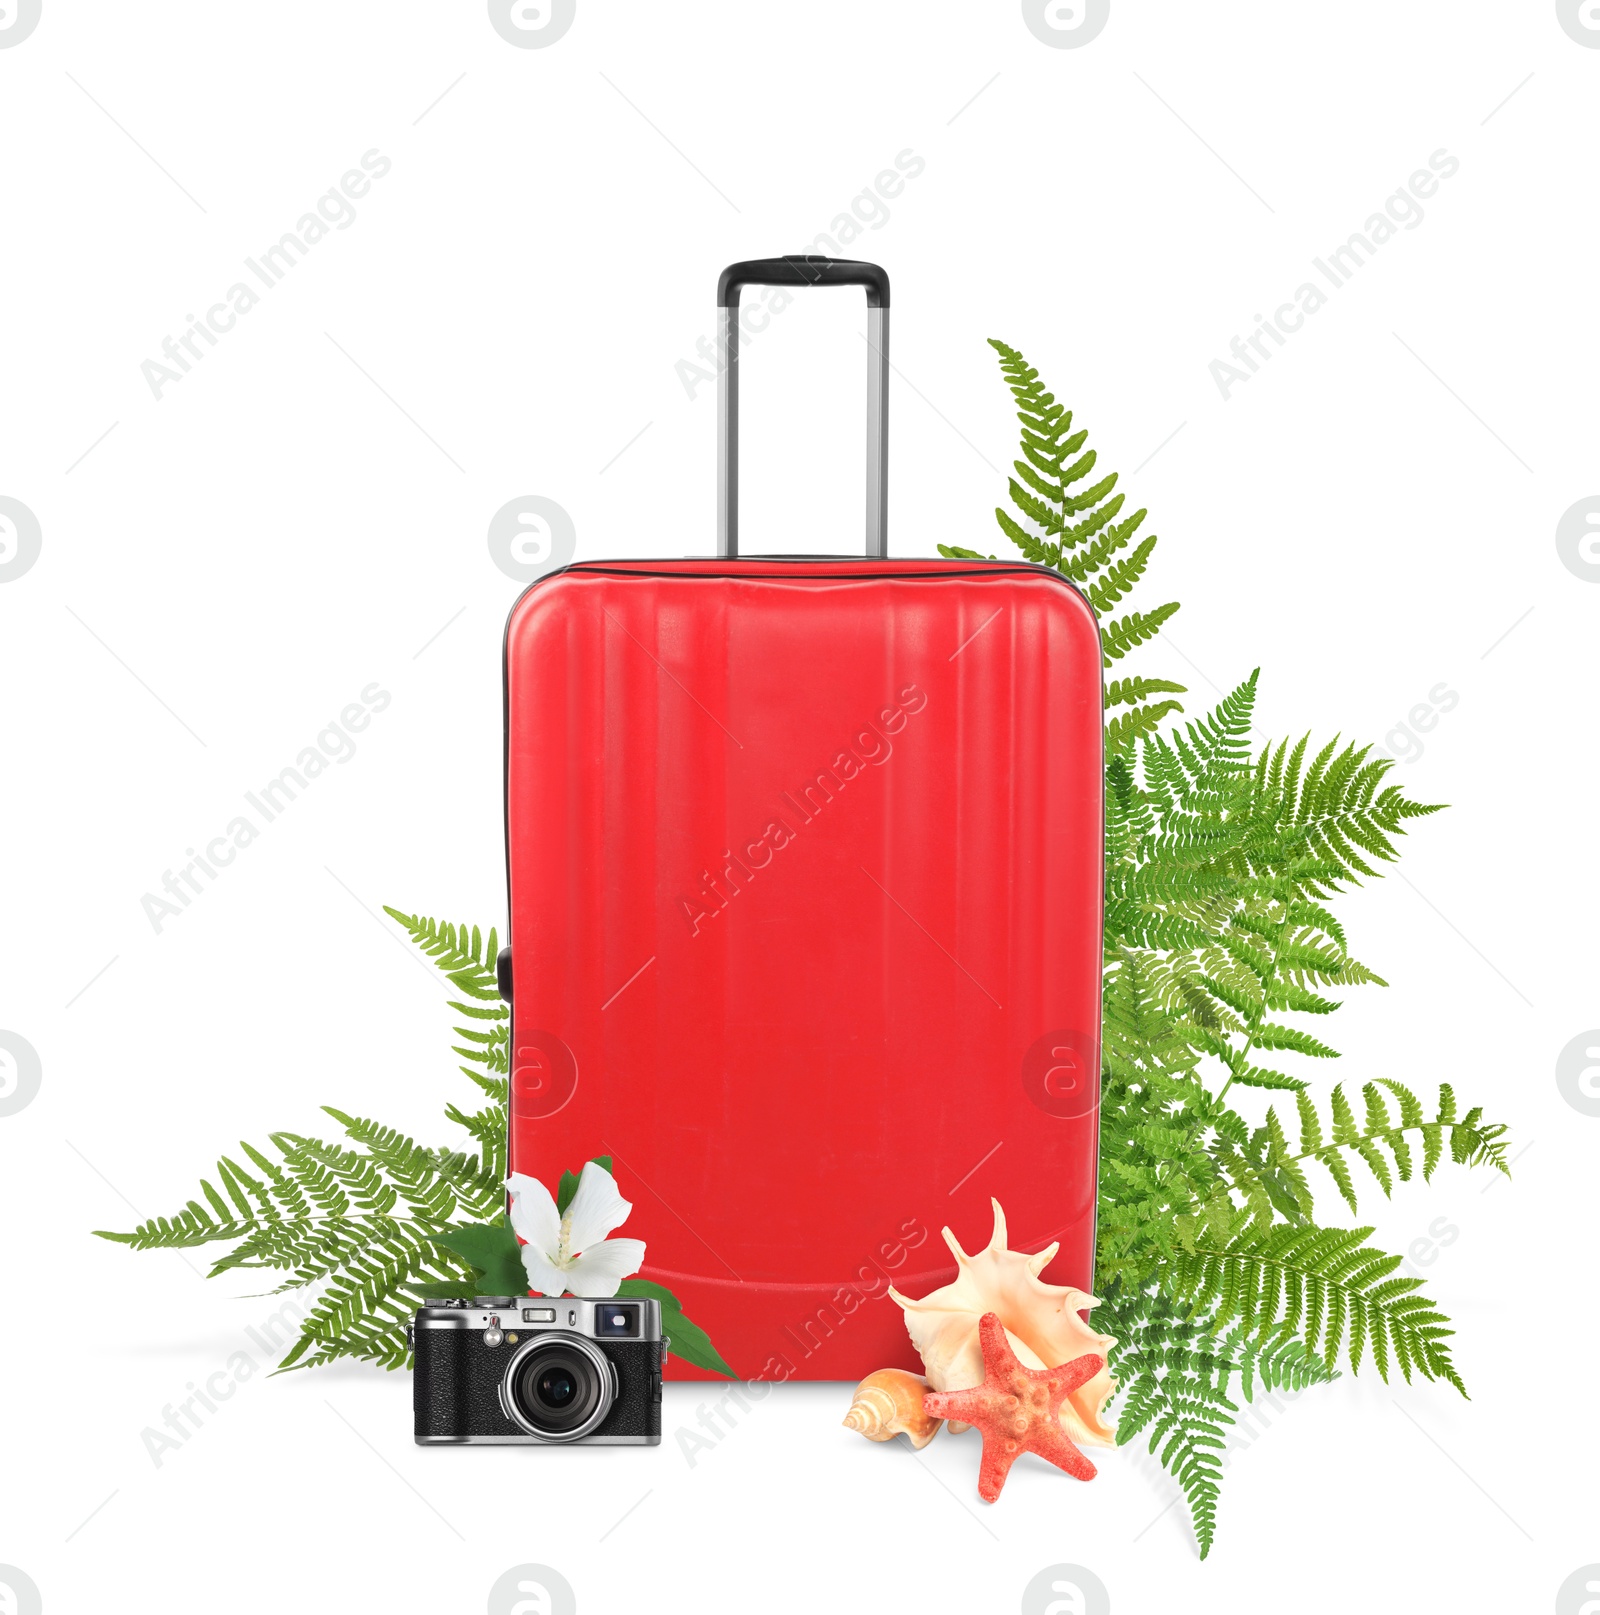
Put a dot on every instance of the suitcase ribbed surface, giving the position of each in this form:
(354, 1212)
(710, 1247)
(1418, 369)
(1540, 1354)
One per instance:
(805, 871)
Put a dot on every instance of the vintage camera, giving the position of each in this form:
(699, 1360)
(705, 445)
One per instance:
(518, 1370)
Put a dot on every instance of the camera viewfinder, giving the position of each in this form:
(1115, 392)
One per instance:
(616, 1320)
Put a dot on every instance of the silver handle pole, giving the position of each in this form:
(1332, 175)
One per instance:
(877, 433)
(728, 432)
(877, 511)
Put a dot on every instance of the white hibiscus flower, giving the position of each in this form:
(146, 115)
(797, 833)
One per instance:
(572, 1253)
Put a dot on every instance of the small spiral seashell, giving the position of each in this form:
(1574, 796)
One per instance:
(888, 1404)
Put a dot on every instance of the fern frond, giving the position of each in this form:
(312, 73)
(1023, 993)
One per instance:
(1118, 579)
(363, 1310)
(1327, 1288)
(1338, 811)
(1221, 857)
(468, 958)
(1065, 516)
(1129, 692)
(1127, 727)
(1381, 1140)
(1136, 628)
(1176, 1374)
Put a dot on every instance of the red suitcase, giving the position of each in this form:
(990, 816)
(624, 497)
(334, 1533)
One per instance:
(805, 870)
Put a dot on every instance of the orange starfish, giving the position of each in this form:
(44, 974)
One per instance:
(1016, 1409)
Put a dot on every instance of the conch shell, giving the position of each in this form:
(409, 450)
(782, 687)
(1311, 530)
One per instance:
(889, 1403)
(1041, 1322)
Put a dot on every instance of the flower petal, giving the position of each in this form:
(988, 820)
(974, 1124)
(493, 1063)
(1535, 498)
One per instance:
(603, 1267)
(544, 1277)
(596, 1209)
(533, 1213)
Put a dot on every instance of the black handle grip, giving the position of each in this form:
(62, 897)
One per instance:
(802, 269)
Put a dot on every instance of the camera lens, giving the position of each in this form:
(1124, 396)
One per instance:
(555, 1388)
(558, 1387)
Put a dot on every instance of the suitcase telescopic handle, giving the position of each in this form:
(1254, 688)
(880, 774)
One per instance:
(803, 269)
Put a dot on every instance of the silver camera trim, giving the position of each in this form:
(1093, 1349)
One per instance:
(511, 1315)
(610, 1385)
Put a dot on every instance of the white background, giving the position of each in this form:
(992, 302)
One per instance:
(222, 571)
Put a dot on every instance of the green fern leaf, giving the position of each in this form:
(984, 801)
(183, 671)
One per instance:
(1176, 1376)
(1127, 727)
(1326, 1287)
(1136, 628)
(1061, 518)
(1129, 692)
